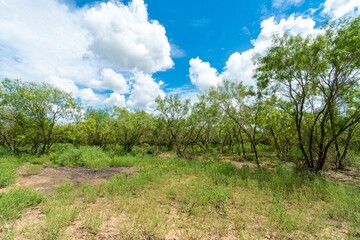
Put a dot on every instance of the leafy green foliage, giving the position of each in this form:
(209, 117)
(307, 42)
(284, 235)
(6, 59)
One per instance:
(93, 157)
(318, 76)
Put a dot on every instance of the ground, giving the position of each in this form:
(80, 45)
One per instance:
(169, 198)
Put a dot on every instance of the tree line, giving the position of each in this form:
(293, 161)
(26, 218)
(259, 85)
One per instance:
(305, 108)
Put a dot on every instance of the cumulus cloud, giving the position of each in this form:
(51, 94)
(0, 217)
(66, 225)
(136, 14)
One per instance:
(293, 25)
(144, 92)
(286, 3)
(40, 39)
(339, 8)
(89, 97)
(116, 99)
(240, 67)
(123, 35)
(64, 84)
(78, 50)
(112, 81)
(202, 75)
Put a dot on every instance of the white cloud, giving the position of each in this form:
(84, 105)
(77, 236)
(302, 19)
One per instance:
(177, 52)
(240, 66)
(123, 35)
(202, 75)
(111, 81)
(286, 3)
(64, 84)
(293, 25)
(40, 39)
(44, 40)
(116, 99)
(339, 8)
(89, 97)
(144, 92)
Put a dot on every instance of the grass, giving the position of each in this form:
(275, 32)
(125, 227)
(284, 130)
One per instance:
(15, 201)
(7, 172)
(192, 199)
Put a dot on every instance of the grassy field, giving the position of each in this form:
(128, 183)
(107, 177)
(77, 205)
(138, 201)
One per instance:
(170, 198)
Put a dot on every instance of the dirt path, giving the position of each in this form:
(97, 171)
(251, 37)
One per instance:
(48, 177)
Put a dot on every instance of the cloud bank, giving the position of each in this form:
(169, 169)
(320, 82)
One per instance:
(85, 51)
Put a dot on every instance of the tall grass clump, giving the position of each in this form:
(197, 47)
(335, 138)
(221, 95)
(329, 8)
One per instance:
(15, 201)
(8, 173)
(93, 157)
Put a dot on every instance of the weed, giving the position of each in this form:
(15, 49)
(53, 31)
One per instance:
(8, 173)
(93, 157)
(93, 221)
(32, 170)
(15, 201)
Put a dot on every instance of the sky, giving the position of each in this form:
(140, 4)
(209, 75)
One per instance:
(127, 53)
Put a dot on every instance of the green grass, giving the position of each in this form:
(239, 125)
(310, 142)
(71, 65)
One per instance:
(15, 201)
(8, 173)
(93, 157)
(197, 199)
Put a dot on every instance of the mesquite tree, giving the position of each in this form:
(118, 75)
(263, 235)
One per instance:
(319, 76)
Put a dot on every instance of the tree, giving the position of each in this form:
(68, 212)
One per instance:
(34, 110)
(97, 127)
(277, 122)
(319, 76)
(185, 130)
(242, 105)
(130, 127)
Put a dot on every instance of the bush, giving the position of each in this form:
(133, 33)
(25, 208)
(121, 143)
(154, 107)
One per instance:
(93, 157)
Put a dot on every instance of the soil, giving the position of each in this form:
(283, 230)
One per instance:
(166, 155)
(350, 176)
(48, 177)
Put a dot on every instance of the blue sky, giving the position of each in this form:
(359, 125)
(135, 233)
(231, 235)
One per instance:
(126, 53)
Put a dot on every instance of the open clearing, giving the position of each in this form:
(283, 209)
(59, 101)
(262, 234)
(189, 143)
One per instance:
(48, 177)
(170, 198)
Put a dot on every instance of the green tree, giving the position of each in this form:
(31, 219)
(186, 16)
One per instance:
(319, 76)
(97, 127)
(185, 129)
(130, 127)
(39, 105)
(242, 105)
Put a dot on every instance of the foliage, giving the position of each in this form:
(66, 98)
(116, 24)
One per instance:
(319, 77)
(305, 109)
(93, 157)
(31, 111)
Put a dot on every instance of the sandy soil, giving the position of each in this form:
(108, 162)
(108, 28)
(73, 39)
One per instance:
(48, 177)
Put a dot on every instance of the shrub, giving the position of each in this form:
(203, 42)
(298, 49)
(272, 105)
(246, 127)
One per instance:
(93, 157)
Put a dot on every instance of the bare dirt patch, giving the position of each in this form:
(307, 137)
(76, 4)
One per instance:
(239, 165)
(48, 177)
(350, 176)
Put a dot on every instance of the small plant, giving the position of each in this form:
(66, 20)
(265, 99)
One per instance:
(32, 170)
(89, 192)
(93, 222)
(14, 202)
